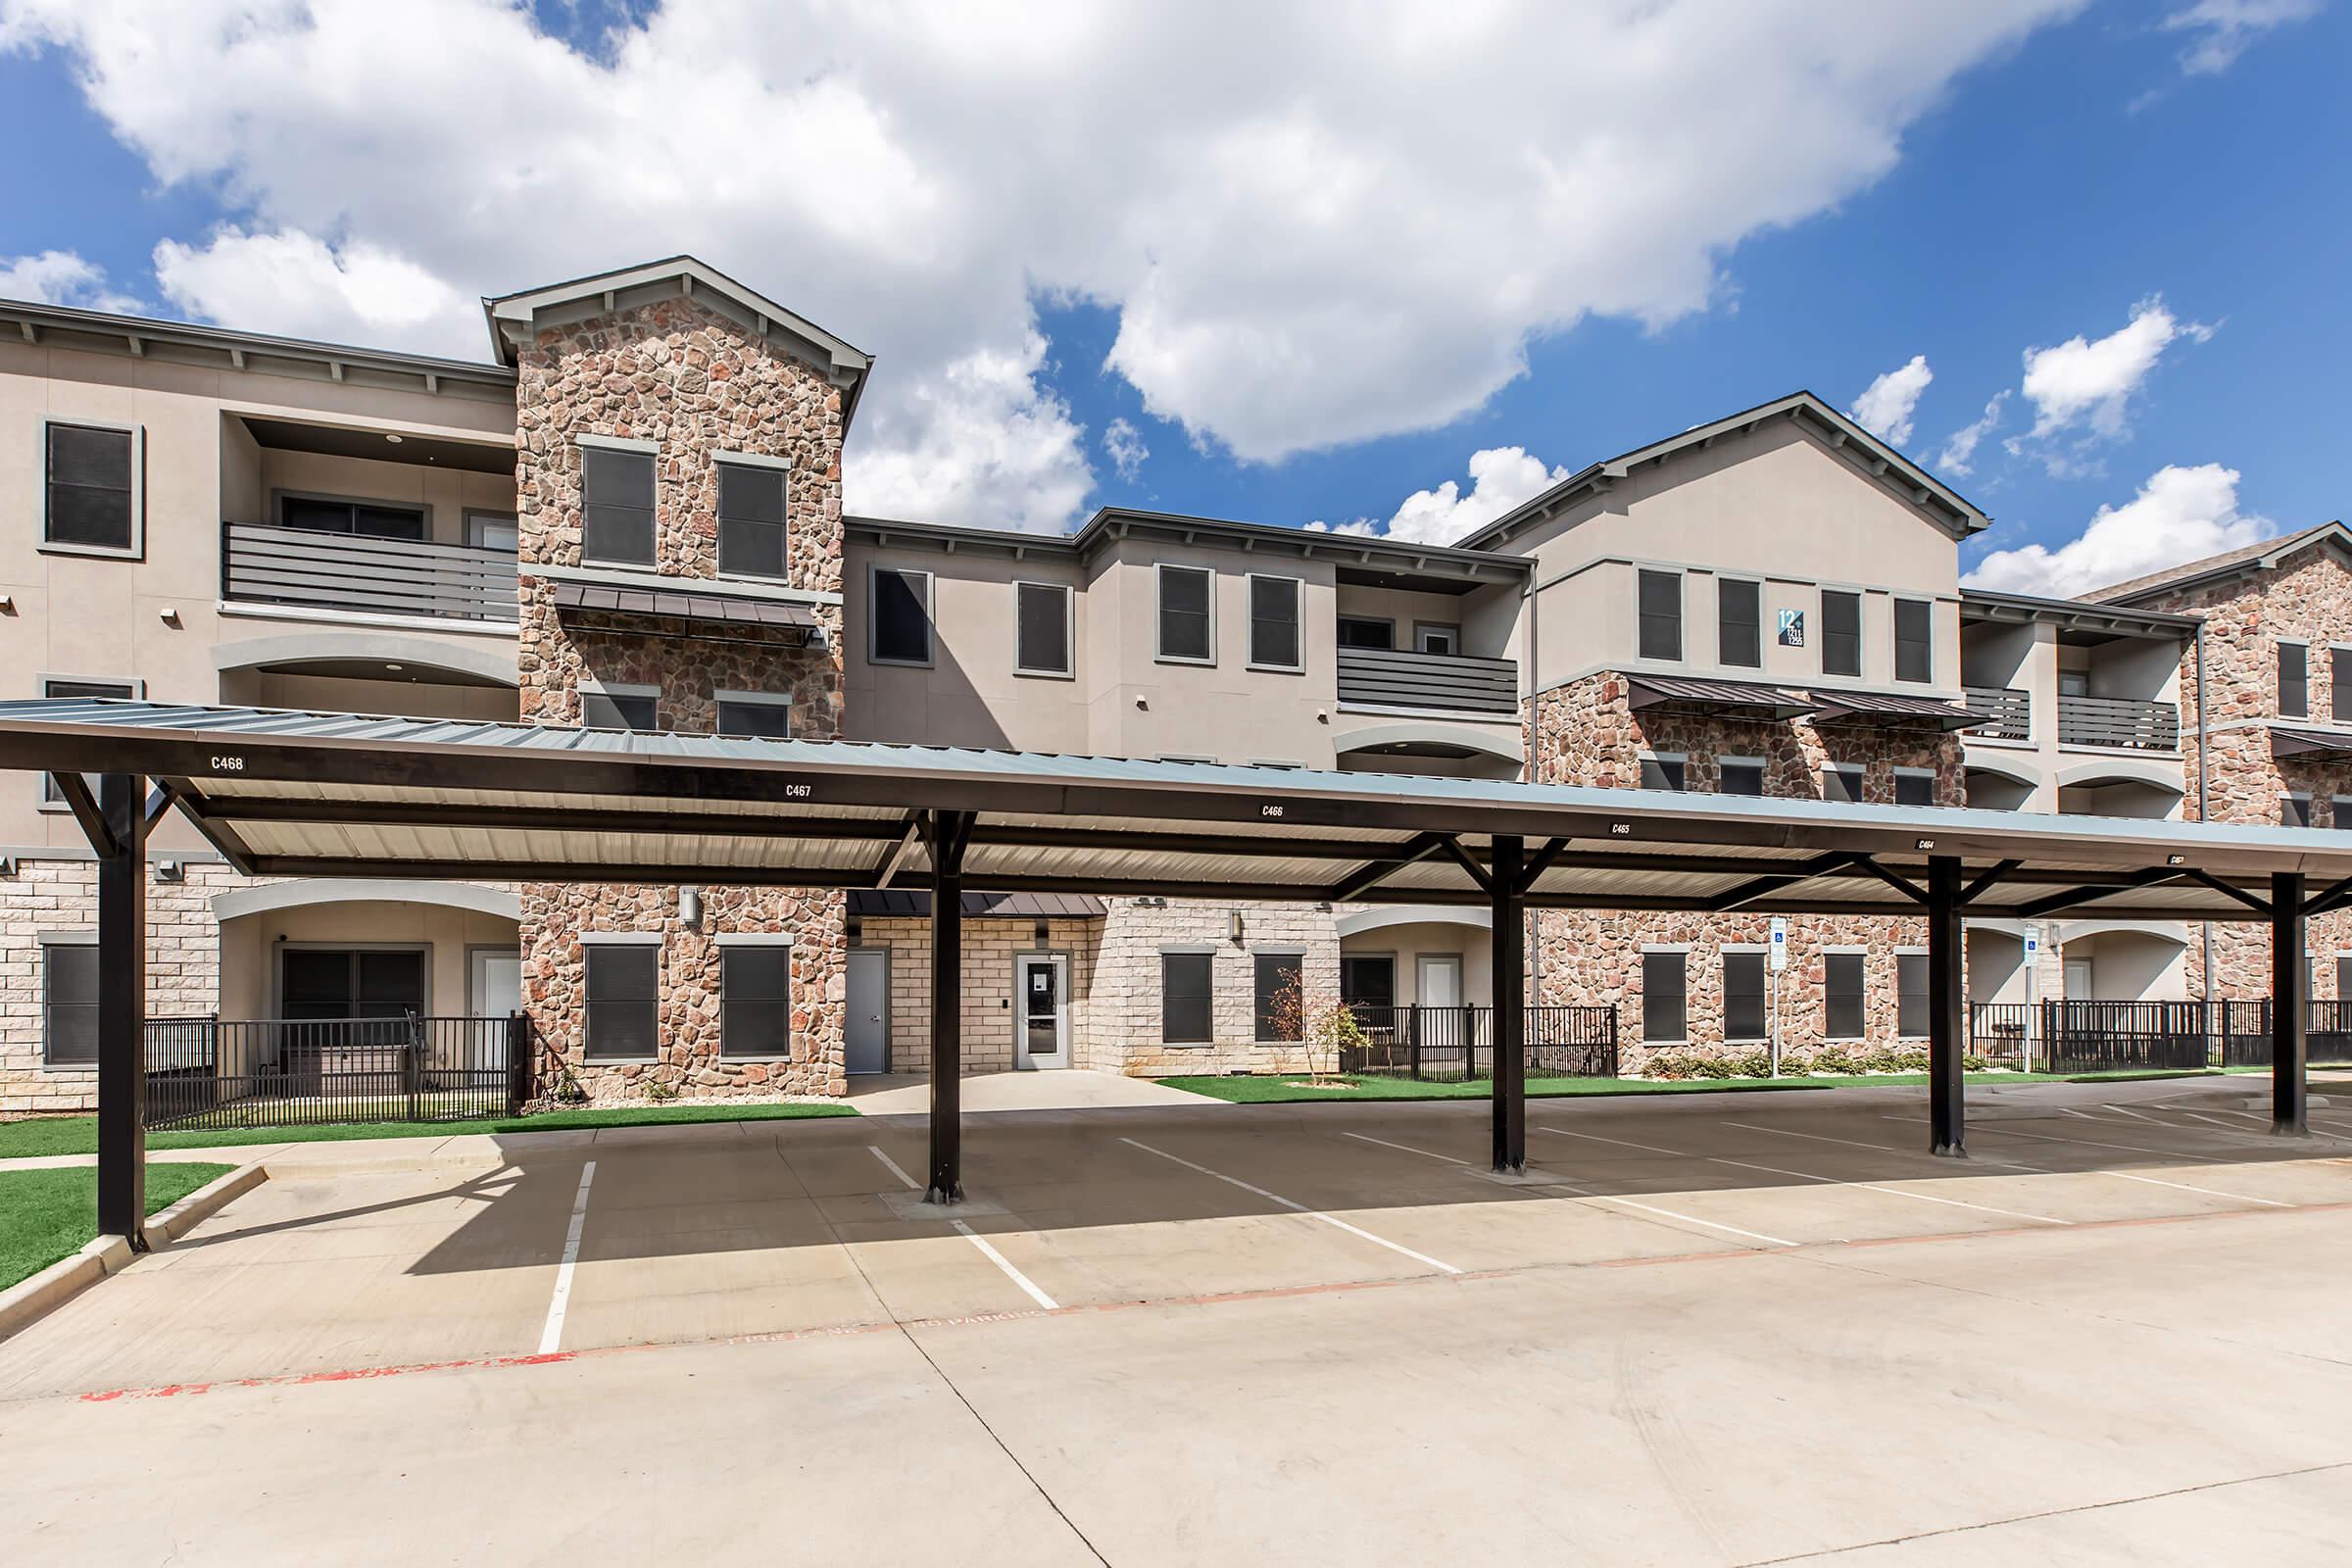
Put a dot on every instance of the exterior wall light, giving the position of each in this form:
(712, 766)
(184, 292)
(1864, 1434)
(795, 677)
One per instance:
(690, 907)
(1236, 924)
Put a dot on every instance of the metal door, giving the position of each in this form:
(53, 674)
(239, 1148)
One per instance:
(865, 1043)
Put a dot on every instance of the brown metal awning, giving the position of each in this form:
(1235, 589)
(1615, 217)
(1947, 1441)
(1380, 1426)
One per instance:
(1893, 708)
(705, 608)
(2315, 743)
(1726, 699)
(878, 903)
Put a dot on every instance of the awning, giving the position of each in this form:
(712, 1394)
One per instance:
(878, 903)
(1891, 709)
(2315, 743)
(292, 793)
(704, 608)
(1726, 698)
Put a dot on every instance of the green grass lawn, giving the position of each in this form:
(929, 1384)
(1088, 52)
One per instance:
(49, 1214)
(1288, 1089)
(78, 1134)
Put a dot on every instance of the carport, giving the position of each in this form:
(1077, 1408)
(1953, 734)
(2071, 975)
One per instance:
(337, 795)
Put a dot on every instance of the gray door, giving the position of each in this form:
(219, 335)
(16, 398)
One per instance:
(866, 1040)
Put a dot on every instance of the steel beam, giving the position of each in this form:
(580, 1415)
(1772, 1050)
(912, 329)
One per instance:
(122, 1010)
(950, 832)
(1947, 1008)
(2290, 1004)
(1509, 878)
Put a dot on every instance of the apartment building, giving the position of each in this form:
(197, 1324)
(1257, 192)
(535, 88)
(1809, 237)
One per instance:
(628, 515)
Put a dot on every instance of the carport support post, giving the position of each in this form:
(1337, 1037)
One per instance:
(1947, 1008)
(1509, 936)
(2290, 1004)
(122, 1010)
(949, 830)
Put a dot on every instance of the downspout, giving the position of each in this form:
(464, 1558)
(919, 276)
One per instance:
(2204, 772)
(1527, 775)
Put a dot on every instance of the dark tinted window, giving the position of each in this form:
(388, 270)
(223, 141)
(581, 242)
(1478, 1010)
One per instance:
(1184, 631)
(1661, 772)
(1661, 615)
(2340, 685)
(1041, 630)
(1842, 995)
(351, 983)
(2293, 812)
(770, 720)
(1355, 631)
(1744, 995)
(754, 992)
(623, 985)
(751, 520)
(1368, 981)
(902, 630)
(1914, 789)
(1663, 1003)
(1914, 640)
(1842, 782)
(1840, 633)
(617, 505)
(1186, 1009)
(1742, 778)
(1739, 622)
(369, 519)
(1281, 1001)
(70, 1004)
(1274, 621)
(616, 710)
(1911, 993)
(89, 484)
(2295, 680)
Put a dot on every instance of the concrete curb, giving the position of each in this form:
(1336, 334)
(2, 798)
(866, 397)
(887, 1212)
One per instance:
(27, 1302)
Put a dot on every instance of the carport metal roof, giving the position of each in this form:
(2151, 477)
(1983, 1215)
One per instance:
(295, 794)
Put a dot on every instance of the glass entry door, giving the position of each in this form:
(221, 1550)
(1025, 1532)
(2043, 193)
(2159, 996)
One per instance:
(1042, 1019)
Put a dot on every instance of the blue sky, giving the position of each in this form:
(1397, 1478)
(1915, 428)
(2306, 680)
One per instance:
(2062, 176)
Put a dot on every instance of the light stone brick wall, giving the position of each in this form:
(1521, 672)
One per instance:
(991, 1009)
(1127, 1002)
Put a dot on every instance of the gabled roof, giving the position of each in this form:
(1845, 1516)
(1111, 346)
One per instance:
(1952, 511)
(515, 318)
(2261, 556)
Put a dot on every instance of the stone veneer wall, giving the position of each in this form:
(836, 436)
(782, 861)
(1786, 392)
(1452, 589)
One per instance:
(691, 380)
(1127, 990)
(989, 1004)
(1587, 733)
(2308, 598)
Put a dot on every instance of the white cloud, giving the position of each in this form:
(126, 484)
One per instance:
(59, 278)
(1501, 478)
(982, 443)
(1123, 444)
(1885, 405)
(2222, 29)
(1959, 454)
(2180, 514)
(1307, 243)
(2082, 390)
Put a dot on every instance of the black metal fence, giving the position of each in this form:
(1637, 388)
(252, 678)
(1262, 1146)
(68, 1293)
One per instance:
(2083, 1037)
(286, 1072)
(1456, 1045)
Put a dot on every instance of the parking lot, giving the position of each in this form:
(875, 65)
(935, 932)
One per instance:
(1726, 1328)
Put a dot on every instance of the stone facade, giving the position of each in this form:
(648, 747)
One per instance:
(1586, 733)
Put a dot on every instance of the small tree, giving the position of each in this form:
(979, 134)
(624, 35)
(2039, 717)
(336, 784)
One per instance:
(1331, 1031)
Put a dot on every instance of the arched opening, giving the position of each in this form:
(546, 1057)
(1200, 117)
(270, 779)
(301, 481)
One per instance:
(1451, 751)
(371, 671)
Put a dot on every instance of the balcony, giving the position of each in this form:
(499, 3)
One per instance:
(2118, 721)
(363, 574)
(1386, 677)
(2010, 710)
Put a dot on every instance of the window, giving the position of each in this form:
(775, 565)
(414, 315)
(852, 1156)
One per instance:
(1274, 622)
(617, 707)
(754, 1001)
(1187, 624)
(1742, 778)
(1840, 633)
(1841, 781)
(1914, 787)
(1186, 1010)
(2343, 977)
(901, 631)
(2074, 683)
(1663, 1000)
(1739, 622)
(493, 530)
(617, 505)
(2339, 818)
(2340, 686)
(1363, 631)
(1040, 630)
(1842, 995)
(1661, 609)
(1744, 995)
(80, 688)
(754, 714)
(2294, 681)
(370, 519)
(1661, 772)
(625, 981)
(751, 519)
(92, 486)
(1368, 982)
(1430, 637)
(1911, 995)
(1914, 641)
(1281, 997)
(70, 1002)
(319, 983)
(2294, 811)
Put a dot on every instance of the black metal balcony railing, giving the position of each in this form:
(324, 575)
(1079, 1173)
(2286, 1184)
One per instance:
(2010, 710)
(2076, 1036)
(1393, 677)
(263, 564)
(292, 1072)
(2119, 721)
(1456, 1045)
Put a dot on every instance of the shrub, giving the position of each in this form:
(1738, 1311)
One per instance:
(661, 1091)
(1751, 1064)
(1881, 1058)
(1911, 1059)
(1831, 1059)
(1971, 1062)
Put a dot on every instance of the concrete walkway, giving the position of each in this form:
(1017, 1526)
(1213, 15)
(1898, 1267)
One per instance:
(1071, 1089)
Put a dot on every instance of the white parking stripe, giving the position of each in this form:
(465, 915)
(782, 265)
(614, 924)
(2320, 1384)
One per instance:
(2094, 1142)
(551, 1337)
(1694, 1219)
(1466, 1164)
(1884, 1148)
(2156, 1180)
(1297, 1207)
(1028, 1285)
